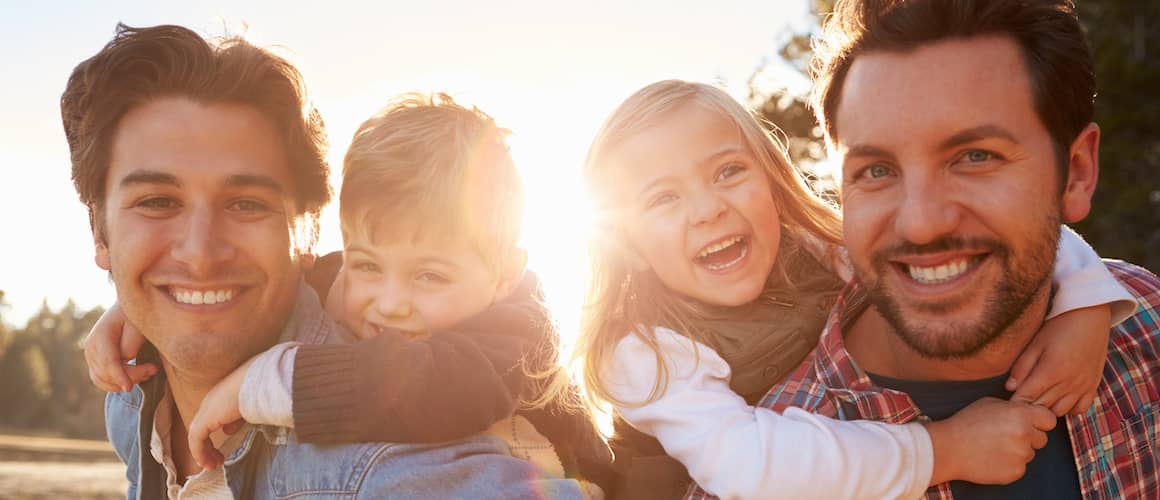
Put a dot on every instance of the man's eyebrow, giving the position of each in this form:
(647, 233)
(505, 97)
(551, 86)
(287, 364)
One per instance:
(149, 177)
(866, 150)
(977, 134)
(252, 180)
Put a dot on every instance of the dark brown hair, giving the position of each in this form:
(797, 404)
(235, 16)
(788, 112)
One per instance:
(141, 64)
(1055, 51)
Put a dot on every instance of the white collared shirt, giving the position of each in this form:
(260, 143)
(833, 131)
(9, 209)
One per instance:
(210, 485)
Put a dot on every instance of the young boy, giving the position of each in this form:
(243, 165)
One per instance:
(455, 337)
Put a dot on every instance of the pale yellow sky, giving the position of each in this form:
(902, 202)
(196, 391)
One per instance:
(550, 71)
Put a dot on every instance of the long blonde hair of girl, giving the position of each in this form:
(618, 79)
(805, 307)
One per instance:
(621, 301)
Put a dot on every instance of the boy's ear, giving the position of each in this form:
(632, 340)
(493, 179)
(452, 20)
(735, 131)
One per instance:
(102, 253)
(512, 272)
(1083, 171)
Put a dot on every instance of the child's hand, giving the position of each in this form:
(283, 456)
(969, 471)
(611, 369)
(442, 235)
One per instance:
(988, 442)
(110, 344)
(1062, 366)
(219, 410)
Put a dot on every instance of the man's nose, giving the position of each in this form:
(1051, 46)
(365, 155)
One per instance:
(204, 243)
(927, 210)
(705, 206)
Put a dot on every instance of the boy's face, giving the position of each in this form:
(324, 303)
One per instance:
(417, 285)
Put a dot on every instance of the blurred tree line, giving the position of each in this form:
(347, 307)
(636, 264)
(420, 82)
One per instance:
(44, 381)
(1125, 219)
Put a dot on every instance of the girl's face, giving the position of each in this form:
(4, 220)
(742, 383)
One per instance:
(696, 207)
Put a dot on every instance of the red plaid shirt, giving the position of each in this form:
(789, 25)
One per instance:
(1117, 452)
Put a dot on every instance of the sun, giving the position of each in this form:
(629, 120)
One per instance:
(556, 228)
(549, 139)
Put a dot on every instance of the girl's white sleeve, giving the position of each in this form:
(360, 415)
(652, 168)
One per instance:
(1082, 280)
(734, 450)
(266, 396)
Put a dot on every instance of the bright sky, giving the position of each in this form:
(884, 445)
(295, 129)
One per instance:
(548, 70)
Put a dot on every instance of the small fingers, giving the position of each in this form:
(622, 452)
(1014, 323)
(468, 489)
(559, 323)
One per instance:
(208, 457)
(200, 446)
(1052, 397)
(140, 373)
(102, 383)
(131, 341)
(1041, 418)
(1083, 403)
(1021, 371)
(114, 374)
(233, 427)
(1031, 388)
(1065, 404)
(1038, 441)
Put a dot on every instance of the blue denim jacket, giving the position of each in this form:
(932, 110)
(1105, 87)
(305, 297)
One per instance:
(271, 463)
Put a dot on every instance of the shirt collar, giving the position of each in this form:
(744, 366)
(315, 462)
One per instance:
(847, 381)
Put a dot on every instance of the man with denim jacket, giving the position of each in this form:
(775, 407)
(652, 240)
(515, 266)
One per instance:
(204, 172)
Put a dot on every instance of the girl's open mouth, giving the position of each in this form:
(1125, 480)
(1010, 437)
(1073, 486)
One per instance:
(724, 254)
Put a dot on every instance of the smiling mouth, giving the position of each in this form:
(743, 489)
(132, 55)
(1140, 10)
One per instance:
(409, 335)
(202, 297)
(942, 273)
(724, 254)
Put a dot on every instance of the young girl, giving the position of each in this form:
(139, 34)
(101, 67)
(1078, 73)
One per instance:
(714, 281)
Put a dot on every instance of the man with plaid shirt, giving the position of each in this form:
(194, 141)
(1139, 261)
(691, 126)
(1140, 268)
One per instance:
(965, 135)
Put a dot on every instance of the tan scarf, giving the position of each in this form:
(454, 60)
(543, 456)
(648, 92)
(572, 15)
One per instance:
(766, 339)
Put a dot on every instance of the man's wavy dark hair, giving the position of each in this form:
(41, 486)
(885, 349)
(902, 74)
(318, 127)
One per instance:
(1055, 51)
(141, 64)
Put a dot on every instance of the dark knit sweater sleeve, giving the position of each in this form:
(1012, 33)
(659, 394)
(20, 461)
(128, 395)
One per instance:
(449, 385)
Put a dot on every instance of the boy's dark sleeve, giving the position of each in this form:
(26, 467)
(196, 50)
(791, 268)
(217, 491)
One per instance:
(450, 385)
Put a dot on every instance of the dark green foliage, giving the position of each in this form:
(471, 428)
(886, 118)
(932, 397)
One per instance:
(44, 381)
(1125, 218)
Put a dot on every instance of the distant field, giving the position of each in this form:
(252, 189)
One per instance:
(43, 468)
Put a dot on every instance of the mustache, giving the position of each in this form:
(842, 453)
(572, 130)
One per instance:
(944, 244)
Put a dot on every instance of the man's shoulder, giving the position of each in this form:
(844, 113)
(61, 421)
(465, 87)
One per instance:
(1142, 329)
(1140, 282)
(122, 411)
(476, 467)
(1132, 374)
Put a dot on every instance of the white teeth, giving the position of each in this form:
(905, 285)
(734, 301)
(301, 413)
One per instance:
(199, 297)
(938, 274)
(721, 245)
(718, 267)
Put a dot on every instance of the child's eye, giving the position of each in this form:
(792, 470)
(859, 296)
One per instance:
(432, 277)
(730, 170)
(661, 198)
(365, 267)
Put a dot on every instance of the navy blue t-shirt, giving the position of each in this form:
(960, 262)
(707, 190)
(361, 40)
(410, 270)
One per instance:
(1051, 474)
